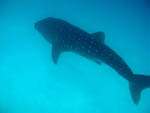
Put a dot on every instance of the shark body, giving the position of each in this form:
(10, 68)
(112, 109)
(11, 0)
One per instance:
(66, 37)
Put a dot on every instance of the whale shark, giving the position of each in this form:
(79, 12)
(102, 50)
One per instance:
(66, 37)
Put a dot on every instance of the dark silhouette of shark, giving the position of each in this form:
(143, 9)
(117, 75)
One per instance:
(65, 37)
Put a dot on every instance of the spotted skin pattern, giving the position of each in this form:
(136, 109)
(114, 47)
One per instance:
(71, 38)
(66, 37)
(78, 41)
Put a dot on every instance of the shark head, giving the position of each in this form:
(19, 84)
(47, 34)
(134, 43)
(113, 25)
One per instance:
(48, 28)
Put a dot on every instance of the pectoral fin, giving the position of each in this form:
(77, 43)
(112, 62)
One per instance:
(56, 51)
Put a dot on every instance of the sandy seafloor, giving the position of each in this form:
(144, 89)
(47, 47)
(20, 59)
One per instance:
(31, 83)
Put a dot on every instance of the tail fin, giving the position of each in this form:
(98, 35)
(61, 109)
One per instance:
(137, 84)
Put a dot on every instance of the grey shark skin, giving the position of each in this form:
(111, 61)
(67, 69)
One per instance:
(65, 37)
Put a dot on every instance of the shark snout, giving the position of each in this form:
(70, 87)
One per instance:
(37, 25)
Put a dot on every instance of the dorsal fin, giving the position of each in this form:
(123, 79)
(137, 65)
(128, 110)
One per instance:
(56, 51)
(99, 36)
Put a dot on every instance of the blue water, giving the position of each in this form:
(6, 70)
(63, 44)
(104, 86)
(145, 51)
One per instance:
(31, 83)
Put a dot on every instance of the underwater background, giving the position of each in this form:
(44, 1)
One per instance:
(31, 83)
